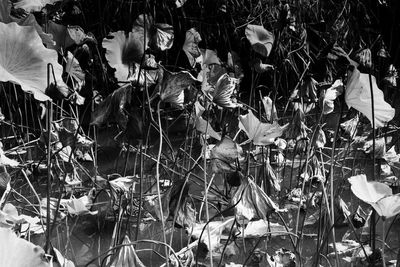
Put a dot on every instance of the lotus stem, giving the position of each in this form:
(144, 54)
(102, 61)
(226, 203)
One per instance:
(383, 242)
(158, 181)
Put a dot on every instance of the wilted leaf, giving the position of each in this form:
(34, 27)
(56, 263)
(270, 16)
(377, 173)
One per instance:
(74, 72)
(24, 59)
(319, 138)
(344, 247)
(60, 35)
(4, 160)
(297, 129)
(307, 91)
(258, 132)
(380, 147)
(5, 179)
(328, 97)
(225, 156)
(158, 35)
(260, 39)
(315, 171)
(180, 3)
(260, 67)
(172, 84)
(53, 207)
(270, 109)
(113, 108)
(358, 96)
(282, 258)
(78, 35)
(15, 251)
(79, 206)
(262, 228)
(61, 260)
(350, 126)
(123, 185)
(272, 177)
(204, 127)
(364, 57)
(185, 260)
(152, 205)
(391, 76)
(216, 228)
(186, 216)
(391, 156)
(223, 91)
(127, 256)
(190, 47)
(252, 202)
(210, 57)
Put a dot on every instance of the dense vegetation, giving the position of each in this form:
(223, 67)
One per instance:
(199, 133)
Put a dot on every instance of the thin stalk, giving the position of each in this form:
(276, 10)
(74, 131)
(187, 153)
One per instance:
(206, 198)
(140, 189)
(331, 172)
(48, 186)
(373, 227)
(383, 242)
(158, 181)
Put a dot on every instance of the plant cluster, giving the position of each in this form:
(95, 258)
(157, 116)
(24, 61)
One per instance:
(241, 123)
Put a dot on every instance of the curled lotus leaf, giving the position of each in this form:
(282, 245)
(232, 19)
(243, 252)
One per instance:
(358, 96)
(260, 39)
(124, 54)
(378, 195)
(24, 60)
